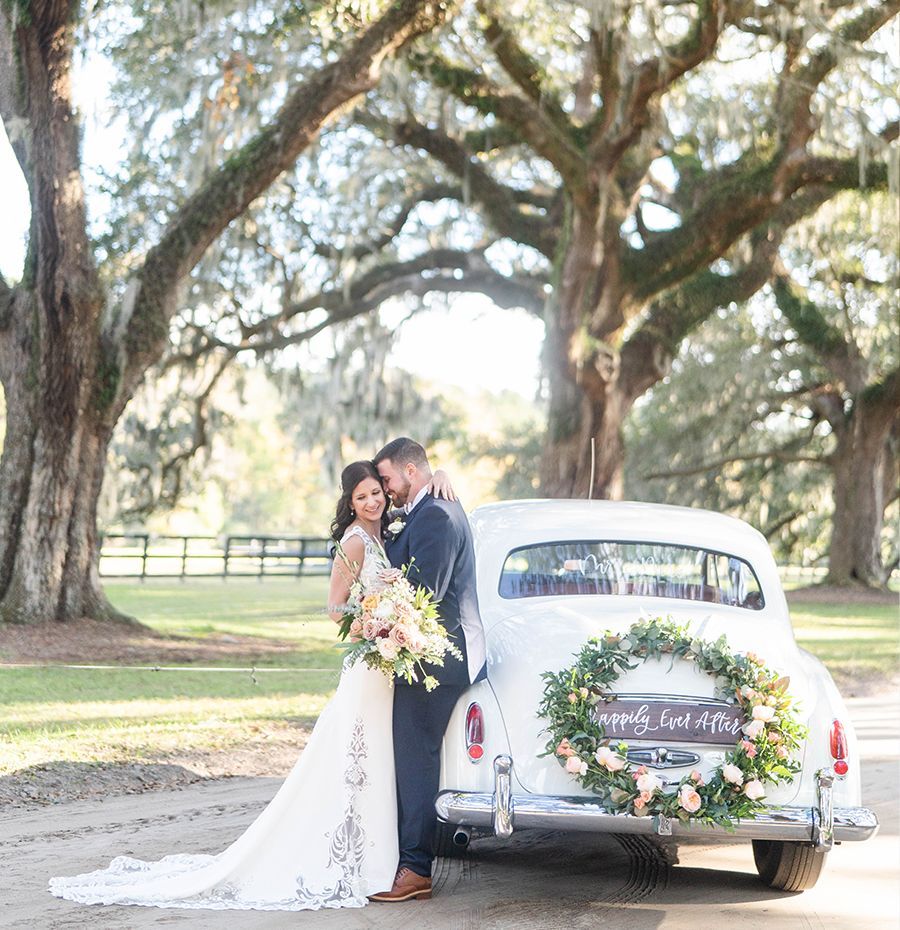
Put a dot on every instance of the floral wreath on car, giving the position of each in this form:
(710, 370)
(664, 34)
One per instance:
(770, 734)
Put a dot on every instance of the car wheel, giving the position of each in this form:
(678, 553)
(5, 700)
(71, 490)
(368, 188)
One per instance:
(444, 844)
(787, 866)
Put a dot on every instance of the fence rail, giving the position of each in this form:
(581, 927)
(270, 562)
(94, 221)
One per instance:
(146, 555)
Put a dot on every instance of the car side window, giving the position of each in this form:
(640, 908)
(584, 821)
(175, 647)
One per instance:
(645, 569)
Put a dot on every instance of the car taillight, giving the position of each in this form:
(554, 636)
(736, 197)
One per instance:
(474, 732)
(838, 744)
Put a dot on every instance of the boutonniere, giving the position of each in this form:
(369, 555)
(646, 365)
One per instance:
(396, 526)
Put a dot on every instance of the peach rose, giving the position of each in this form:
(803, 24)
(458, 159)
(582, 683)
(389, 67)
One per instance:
(697, 778)
(773, 736)
(646, 796)
(639, 803)
(370, 629)
(689, 799)
(754, 790)
(763, 712)
(732, 774)
(370, 602)
(781, 752)
(748, 748)
(565, 749)
(573, 697)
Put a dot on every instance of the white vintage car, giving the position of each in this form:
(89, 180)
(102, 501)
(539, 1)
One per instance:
(553, 574)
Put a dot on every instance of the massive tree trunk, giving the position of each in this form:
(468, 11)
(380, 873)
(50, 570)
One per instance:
(864, 465)
(68, 363)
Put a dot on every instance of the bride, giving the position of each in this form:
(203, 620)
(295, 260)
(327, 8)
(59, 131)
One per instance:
(329, 836)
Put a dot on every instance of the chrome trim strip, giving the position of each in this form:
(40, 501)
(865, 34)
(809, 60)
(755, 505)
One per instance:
(502, 803)
(545, 812)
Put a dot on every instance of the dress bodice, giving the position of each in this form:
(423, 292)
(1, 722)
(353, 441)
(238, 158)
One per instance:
(375, 559)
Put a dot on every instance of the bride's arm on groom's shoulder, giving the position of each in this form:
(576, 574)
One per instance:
(344, 571)
(440, 485)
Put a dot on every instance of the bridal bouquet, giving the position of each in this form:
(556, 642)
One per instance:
(393, 627)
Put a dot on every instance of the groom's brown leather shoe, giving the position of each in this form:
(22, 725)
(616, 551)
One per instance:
(408, 886)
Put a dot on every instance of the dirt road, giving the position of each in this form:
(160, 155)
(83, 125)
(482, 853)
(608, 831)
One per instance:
(536, 880)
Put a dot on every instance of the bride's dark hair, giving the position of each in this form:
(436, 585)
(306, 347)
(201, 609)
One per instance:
(350, 478)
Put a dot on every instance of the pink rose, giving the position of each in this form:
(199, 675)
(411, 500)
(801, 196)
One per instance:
(754, 790)
(370, 629)
(732, 774)
(781, 752)
(774, 736)
(400, 635)
(689, 799)
(748, 748)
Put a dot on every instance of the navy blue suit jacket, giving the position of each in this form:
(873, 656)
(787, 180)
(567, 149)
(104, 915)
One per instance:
(436, 544)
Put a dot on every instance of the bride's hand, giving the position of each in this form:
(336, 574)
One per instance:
(440, 485)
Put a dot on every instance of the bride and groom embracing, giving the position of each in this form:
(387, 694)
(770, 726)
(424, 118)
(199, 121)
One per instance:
(354, 820)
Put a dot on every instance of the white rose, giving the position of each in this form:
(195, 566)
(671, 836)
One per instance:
(609, 759)
(752, 729)
(384, 610)
(731, 773)
(763, 712)
(754, 790)
(388, 648)
(647, 782)
(574, 766)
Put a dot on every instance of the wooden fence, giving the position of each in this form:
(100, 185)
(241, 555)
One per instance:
(145, 555)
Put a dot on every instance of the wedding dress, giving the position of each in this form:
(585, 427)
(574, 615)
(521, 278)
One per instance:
(328, 837)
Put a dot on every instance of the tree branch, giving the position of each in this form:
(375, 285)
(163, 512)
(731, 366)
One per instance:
(650, 78)
(469, 273)
(499, 201)
(828, 344)
(244, 176)
(520, 113)
(780, 454)
(647, 355)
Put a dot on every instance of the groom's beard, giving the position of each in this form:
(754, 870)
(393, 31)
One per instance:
(402, 497)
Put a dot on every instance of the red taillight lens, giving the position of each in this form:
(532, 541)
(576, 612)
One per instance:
(474, 732)
(838, 741)
(839, 750)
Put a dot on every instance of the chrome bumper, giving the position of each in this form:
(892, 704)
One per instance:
(503, 812)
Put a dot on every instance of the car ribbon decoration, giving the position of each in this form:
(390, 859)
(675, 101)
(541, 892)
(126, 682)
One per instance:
(769, 734)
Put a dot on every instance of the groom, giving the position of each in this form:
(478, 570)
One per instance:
(436, 542)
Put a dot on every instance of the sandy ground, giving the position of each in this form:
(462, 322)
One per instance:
(536, 880)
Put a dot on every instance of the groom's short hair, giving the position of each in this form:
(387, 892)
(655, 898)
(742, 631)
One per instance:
(403, 450)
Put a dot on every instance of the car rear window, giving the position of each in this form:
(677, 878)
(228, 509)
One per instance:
(644, 569)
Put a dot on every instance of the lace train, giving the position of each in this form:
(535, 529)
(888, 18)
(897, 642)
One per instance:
(322, 842)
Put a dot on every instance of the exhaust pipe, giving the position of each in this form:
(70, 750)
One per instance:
(461, 836)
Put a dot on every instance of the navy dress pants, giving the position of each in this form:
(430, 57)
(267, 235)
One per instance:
(420, 720)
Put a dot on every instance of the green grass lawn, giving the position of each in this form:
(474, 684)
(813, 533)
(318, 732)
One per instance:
(129, 715)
